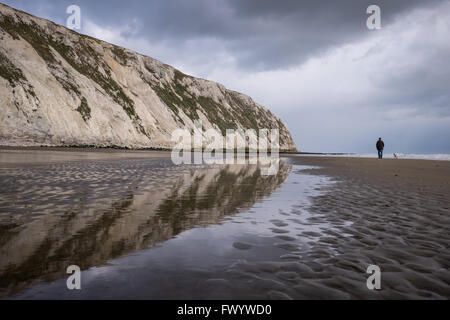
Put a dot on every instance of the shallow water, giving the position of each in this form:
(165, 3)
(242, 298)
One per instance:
(141, 227)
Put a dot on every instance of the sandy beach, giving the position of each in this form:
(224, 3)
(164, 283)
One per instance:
(400, 214)
(425, 176)
(142, 228)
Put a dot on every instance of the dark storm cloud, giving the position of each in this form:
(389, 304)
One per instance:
(262, 34)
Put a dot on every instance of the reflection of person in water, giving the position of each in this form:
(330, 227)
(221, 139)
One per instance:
(380, 147)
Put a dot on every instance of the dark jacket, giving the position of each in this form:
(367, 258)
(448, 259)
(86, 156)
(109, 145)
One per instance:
(380, 145)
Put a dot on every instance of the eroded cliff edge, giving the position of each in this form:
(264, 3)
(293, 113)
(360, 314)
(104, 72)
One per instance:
(58, 87)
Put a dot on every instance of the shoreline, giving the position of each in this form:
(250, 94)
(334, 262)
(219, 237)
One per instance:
(110, 149)
(91, 148)
(114, 148)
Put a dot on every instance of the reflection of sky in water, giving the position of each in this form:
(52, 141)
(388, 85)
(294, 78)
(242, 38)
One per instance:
(206, 262)
(59, 212)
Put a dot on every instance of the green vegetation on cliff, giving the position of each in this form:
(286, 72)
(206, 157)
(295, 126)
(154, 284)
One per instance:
(10, 72)
(79, 56)
(84, 109)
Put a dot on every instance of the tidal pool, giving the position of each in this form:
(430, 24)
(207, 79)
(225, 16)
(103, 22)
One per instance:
(140, 227)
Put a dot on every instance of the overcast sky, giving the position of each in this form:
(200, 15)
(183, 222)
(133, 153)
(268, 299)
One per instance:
(337, 85)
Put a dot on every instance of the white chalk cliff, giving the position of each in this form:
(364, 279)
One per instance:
(58, 87)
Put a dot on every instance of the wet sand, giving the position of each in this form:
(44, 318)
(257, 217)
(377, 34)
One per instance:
(142, 228)
(425, 176)
(59, 208)
(400, 215)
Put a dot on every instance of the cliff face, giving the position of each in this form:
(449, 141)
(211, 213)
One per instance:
(58, 87)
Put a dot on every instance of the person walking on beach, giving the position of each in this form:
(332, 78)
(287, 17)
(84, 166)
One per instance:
(380, 147)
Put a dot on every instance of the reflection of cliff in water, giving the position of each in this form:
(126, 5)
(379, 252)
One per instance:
(96, 223)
